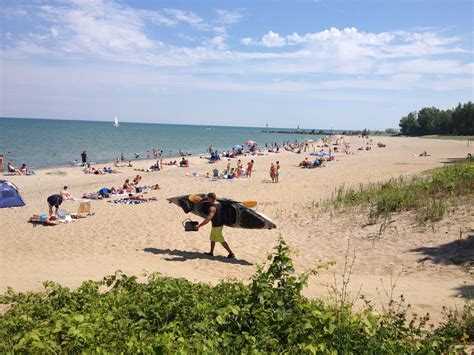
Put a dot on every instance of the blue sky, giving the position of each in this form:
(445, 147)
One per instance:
(316, 64)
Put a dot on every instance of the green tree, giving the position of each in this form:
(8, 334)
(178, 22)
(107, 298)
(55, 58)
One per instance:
(409, 125)
(463, 119)
(427, 119)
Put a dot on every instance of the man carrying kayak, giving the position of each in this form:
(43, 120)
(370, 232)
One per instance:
(215, 217)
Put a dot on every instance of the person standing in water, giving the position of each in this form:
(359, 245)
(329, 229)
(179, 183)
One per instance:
(215, 217)
(84, 157)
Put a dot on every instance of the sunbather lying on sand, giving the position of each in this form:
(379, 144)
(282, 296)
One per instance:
(139, 198)
(171, 163)
(44, 218)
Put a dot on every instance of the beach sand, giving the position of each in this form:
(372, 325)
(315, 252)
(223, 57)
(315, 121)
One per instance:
(420, 262)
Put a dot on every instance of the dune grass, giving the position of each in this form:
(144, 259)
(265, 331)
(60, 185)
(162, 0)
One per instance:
(427, 195)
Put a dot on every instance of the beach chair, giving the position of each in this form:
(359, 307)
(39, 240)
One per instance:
(83, 210)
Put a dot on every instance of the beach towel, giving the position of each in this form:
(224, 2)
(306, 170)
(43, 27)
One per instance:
(129, 201)
(42, 219)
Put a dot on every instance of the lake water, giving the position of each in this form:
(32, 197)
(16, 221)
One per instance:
(46, 143)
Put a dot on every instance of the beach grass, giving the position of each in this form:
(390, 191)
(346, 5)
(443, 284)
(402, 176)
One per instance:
(173, 315)
(456, 138)
(427, 195)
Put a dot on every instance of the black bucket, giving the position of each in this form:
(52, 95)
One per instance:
(189, 226)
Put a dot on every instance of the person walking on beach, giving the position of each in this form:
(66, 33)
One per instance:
(272, 172)
(215, 217)
(277, 171)
(84, 157)
(54, 201)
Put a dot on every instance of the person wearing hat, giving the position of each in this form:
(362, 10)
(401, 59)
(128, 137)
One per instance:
(54, 201)
(65, 194)
(215, 217)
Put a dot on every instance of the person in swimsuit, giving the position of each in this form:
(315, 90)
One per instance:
(215, 217)
(65, 194)
(272, 172)
(11, 168)
(277, 171)
(54, 201)
(249, 168)
(127, 186)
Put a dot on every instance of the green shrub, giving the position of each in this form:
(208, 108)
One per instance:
(168, 315)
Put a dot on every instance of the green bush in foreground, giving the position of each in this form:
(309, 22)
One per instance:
(428, 196)
(175, 315)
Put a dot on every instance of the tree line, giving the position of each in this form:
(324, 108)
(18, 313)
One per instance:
(430, 120)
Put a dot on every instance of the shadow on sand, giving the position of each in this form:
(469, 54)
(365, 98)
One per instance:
(181, 255)
(466, 291)
(459, 252)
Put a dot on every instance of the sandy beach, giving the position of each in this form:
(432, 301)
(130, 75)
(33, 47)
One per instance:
(150, 237)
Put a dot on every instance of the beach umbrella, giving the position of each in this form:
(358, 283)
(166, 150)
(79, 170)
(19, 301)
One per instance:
(250, 142)
(237, 147)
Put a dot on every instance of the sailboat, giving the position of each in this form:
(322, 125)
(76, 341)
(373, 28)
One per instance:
(116, 124)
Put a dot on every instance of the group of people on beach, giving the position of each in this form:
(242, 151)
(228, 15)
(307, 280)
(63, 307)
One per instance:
(275, 171)
(24, 170)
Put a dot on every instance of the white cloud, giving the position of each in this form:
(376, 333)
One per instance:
(188, 17)
(272, 39)
(228, 17)
(218, 42)
(247, 41)
(425, 66)
(54, 32)
(365, 60)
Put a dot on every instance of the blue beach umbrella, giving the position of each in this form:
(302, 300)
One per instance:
(237, 147)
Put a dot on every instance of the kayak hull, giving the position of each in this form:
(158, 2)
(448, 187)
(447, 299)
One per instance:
(234, 214)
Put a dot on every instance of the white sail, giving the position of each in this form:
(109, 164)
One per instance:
(116, 124)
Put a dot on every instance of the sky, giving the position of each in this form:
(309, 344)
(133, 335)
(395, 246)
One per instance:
(313, 63)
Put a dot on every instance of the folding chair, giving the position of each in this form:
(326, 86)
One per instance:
(84, 209)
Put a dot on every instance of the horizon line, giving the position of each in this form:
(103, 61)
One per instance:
(198, 125)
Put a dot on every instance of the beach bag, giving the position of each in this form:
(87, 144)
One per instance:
(189, 225)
